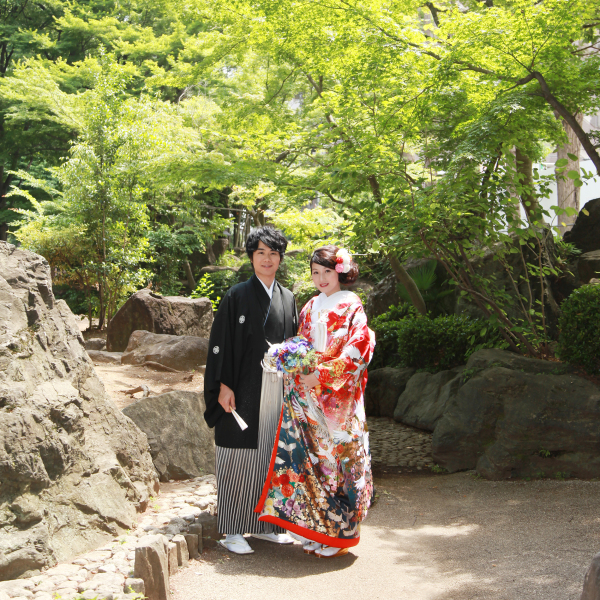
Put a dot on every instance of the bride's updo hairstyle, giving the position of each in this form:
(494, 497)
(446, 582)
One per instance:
(326, 257)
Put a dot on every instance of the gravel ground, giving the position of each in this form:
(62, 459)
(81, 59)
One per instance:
(428, 537)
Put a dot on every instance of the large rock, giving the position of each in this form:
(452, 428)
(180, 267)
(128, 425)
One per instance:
(382, 296)
(73, 468)
(518, 423)
(101, 356)
(95, 344)
(181, 352)
(425, 398)
(172, 315)
(383, 390)
(493, 357)
(181, 443)
(585, 233)
(591, 583)
(588, 266)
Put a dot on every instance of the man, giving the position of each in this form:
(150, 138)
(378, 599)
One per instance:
(251, 315)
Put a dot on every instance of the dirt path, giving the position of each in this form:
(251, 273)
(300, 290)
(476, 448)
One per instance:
(430, 537)
(117, 378)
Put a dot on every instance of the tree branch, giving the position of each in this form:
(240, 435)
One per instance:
(570, 119)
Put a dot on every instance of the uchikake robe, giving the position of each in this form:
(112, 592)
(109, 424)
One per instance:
(319, 483)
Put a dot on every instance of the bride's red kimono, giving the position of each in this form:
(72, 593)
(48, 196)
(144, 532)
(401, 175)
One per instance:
(320, 484)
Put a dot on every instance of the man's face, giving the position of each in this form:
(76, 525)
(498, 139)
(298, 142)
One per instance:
(265, 261)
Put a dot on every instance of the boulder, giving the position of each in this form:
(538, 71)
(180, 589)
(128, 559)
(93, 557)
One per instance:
(95, 344)
(181, 443)
(585, 233)
(383, 390)
(425, 398)
(181, 352)
(73, 468)
(382, 296)
(588, 266)
(246, 271)
(101, 356)
(493, 357)
(516, 423)
(172, 315)
(591, 583)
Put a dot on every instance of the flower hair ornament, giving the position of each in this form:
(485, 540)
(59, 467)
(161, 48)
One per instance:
(343, 258)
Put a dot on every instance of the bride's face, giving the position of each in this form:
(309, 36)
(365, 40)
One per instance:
(325, 279)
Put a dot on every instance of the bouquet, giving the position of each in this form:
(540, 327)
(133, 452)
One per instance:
(295, 355)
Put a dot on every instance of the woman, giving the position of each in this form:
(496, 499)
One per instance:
(320, 485)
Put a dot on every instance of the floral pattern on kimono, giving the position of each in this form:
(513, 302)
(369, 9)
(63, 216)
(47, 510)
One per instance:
(320, 483)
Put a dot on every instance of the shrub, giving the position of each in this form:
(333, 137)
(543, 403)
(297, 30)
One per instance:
(214, 286)
(222, 281)
(579, 325)
(409, 340)
(386, 328)
(444, 342)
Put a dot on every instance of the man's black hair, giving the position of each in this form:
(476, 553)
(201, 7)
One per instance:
(267, 235)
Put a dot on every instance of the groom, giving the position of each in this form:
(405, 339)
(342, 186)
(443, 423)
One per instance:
(251, 315)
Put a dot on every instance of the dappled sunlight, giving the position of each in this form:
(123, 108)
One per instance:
(433, 531)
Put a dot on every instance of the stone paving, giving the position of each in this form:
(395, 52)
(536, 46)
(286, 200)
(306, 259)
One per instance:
(397, 445)
(108, 573)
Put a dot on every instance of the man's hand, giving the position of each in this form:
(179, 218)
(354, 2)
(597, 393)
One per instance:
(226, 398)
(309, 381)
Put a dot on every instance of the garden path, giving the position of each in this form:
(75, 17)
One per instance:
(429, 537)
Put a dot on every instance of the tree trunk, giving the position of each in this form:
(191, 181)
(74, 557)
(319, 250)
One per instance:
(210, 255)
(189, 275)
(568, 195)
(406, 280)
(528, 197)
(101, 306)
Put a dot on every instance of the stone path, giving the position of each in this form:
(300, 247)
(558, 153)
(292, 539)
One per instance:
(396, 445)
(108, 572)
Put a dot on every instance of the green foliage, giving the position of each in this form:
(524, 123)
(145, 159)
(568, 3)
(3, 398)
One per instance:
(206, 289)
(425, 279)
(386, 327)
(222, 281)
(438, 344)
(169, 247)
(214, 286)
(77, 299)
(579, 342)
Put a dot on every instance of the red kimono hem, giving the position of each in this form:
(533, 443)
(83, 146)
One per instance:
(315, 536)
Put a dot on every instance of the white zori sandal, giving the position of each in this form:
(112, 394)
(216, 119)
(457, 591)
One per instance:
(236, 543)
(330, 552)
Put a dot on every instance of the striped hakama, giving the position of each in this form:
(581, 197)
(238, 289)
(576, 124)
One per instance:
(241, 472)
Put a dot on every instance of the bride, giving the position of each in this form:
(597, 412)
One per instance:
(320, 485)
